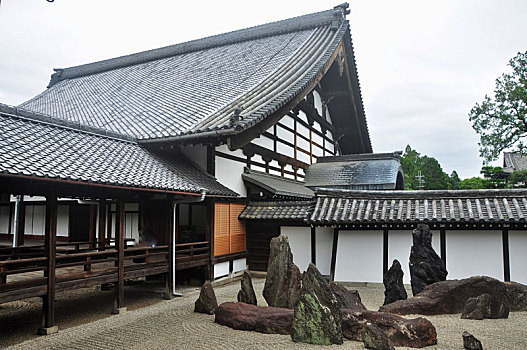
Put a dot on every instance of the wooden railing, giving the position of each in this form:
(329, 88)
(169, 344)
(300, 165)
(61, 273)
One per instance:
(192, 254)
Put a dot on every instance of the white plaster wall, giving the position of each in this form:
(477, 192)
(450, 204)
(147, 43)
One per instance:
(229, 173)
(197, 155)
(473, 253)
(399, 246)
(359, 256)
(4, 218)
(63, 220)
(264, 141)
(300, 243)
(324, 245)
(221, 269)
(318, 102)
(518, 256)
(239, 265)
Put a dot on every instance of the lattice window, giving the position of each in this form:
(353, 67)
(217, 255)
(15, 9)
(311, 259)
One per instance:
(221, 229)
(229, 232)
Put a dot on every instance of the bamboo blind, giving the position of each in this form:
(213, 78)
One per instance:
(221, 229)
(237, 228)
(229, 232)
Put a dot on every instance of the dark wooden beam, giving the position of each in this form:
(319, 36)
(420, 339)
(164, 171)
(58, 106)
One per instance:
(312, 113)
(211, 160)
(170, 241)
(211, 213)
(442, 239)
(102, 224)
(313, 246)
(21, 219)
(506, 258)
(334, 253)
(264, 152)
(385, 262)
(119, 242)
(50, 242)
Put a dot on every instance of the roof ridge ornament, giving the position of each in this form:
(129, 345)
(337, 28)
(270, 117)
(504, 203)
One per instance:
(339, 15)
(236, 116)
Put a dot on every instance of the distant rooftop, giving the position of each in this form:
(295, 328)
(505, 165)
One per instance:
(371, 171)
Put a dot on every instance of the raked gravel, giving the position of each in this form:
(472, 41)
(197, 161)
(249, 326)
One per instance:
(172, 324)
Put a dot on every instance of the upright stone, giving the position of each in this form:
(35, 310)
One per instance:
(246, 293)
(348, 299)
(283, 282)
(393, 284)
(426, 267)
(317, 318)
(206, 303)
(470, 342)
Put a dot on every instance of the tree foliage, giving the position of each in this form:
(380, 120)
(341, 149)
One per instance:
(501, 121)
(434, 176)
(518, 179)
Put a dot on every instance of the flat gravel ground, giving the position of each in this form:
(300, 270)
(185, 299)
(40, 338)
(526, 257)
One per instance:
(173, 325)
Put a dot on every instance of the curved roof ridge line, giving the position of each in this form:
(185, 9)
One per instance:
(251, 33)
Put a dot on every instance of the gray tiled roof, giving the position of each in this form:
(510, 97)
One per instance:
(35, 148)
(288, 211)
(359, 172)
(514, 161)
(194, 87)
(350, 207)
(278, 185)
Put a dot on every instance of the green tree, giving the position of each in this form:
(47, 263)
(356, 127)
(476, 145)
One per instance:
(518, 179)
(495, 176)
(501, 121)
(473, 183)
(454, 180)
(434, 176)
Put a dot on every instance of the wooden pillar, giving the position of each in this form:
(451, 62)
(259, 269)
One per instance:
(109, 224)
(102, 224)
(21, 223)
(170, 241)
(50, 241)
(119, 243)
(210, 220)
(506, 259)
(442, 240)
(334, 253)
(313, 245)
(385, 262)
(91, 227)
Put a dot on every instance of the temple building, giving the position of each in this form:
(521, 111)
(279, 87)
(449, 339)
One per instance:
(184, 161)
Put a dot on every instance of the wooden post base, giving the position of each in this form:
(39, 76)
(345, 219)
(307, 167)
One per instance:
(168, 296)
(48, 330)
(118, 310)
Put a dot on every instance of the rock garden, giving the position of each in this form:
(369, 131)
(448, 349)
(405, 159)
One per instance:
(312, 310)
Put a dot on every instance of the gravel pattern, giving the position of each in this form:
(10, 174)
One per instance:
(173, 324)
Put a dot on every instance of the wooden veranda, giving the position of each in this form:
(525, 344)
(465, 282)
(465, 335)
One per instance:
(42, 268)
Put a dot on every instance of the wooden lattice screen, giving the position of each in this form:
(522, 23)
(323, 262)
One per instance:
(237, 228)
(229, 232)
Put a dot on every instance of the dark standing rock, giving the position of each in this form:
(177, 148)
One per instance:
(349, 299)
(450, 297)
(317, 317)
(206, 303)
(470, 342)
(374, 338)
(246, 293)
(516, 296)
(283, 282)
(247, 317)
(484, 306)
(426, 267)
(393, 284)
(416, 333)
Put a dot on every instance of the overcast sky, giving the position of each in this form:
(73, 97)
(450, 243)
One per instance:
(422, 64)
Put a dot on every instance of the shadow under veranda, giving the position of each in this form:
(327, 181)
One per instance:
(21, 319)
